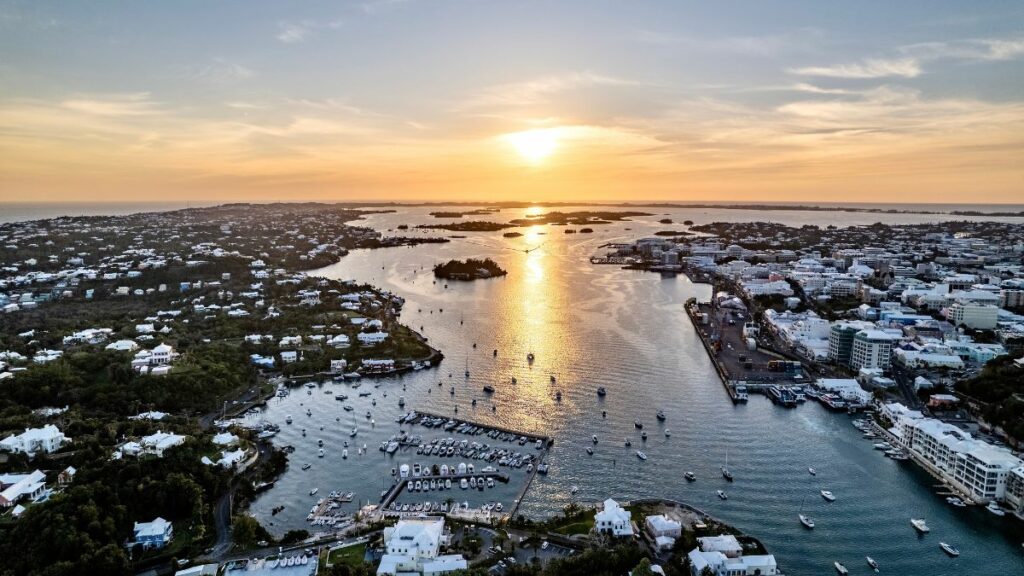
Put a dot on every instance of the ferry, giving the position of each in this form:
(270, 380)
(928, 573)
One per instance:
(722, 495)
(828, 496)
(806, 521)
(949, 549)
(641, 455)
(690, 477)
(741, 395)
(782, 396)
(919, 525)
(840, 568)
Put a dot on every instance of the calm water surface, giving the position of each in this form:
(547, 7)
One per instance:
(593, 326)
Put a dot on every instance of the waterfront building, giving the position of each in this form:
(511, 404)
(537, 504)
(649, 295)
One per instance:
(840, 340)
(613, 519)
(723, 556)
(414, 546)
(663, 530)
(1015, 491)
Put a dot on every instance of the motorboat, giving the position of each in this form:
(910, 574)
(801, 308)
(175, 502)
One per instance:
(489, 389)
(919, 525)
(552, 378)
(840, 568)
(726, 474)
(288, 420)
(949, 549)
(667, 433)
(530, 357)
(558, 396)
(594, 438)
(628, 442)
(320, 454)
(806, 521)
(872, 563)
(994, 508)
(314, 491)
(812, 471)
(638, 425)
(463, 483)
(307, 466)
(828, 496)
(690, 477)
(722, 495)
(640, 454)
(601, 391)
(643, 436)
(661, 415)
(344, 454)
(514, 381)
(590, 450)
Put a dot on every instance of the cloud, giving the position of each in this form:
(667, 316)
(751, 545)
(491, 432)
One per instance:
(763, 45)
(220, 71)
(539, 89)
(871, 68)
(114, 105)
(296, 32)
(985, 49)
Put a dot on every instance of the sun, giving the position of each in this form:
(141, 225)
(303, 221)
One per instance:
(534, 145)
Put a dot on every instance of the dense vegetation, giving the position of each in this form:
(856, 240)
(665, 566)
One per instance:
(470, 269)
(999, 392)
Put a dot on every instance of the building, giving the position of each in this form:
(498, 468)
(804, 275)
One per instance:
(158, 443)
(414, 546)
(613, 519)
(977, 316)
(32, 441)
(663, 530)
(152, 535)
(840, 341)
(871, 349)
(1015, 491)
(15, 487)
(723, 556)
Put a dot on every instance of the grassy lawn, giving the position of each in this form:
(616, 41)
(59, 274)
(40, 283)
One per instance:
(352, 555)
(581, 527)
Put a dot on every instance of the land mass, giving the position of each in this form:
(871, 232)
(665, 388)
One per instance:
(470, 269)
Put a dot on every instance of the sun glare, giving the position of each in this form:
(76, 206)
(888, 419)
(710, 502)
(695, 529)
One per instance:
(534, 146)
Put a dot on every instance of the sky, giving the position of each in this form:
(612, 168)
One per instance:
(473, 100)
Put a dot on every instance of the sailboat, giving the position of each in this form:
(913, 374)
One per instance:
(805, 520)
(725, 469)
(467, 365)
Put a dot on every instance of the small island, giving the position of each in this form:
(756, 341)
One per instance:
(665, 221)
(469, 226)
(453, 214)
(512, 234)
(470, 269)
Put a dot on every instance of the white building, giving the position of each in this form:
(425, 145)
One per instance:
(414, 547)
(723, 556)
(613, 519)
(663, 530)
(161, 441)
(15, 487)
(977, 316)
(47, 439)
(871, 349)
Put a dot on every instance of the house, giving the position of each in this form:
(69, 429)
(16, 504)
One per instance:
(32, 441)
(199, 570)
(289, 356)
(152, 535)
(225, 439)
(613, 519)
(66, 476)
(15, 487)
(371, 338)
(338, 366)
(161, 441)
(123, 346)
(722, 565)
(663, 530)
(413, 547)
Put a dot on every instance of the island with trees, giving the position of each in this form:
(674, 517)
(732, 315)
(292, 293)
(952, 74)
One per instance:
(470, 269)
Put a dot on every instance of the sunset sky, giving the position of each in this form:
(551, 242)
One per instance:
(895, 101)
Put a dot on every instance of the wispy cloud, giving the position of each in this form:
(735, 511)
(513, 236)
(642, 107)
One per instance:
(295, 32)
(985, 49)
(538, 89)
(758, 45)
(871, 68)
(221, 71)
(114, 105)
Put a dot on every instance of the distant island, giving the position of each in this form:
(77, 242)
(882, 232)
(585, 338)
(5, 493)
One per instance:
(470, 269)
(672, 233)
(470, 226)
(481, 211)
(576, 218)
(512, 234)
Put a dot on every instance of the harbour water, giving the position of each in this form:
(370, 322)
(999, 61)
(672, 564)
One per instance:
(600, 326)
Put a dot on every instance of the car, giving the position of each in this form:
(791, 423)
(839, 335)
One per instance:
(511, 559)
(544, 545)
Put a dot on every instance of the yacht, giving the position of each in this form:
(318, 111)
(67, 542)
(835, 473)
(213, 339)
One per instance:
(721, 494)
(314, 491)
(726, 474)
(590, 450)
(840, 568)
(872, 563)
(628, 442)
(949, 549)
(661, 415)
(601, 391)
(307, 466)
(320, 453)
(954, 501)
(919, 525)
(594, 438)
(667, 433)
(344, 454)
(828, 496)
(994, 508)
(638, 425)
(288, 420)
(489, 389)
(690, 477)
(812, 471)
(806, 521)
(641, 455)
(463, 483)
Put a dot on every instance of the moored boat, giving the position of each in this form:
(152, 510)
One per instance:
(949, 549)
(872, 563)
(806, 521)
(828, 496)
(919, 525)
(840, 568)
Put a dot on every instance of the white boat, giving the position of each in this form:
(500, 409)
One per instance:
(314, 491)
(594, 438)
(919, 525)
(574, 489)
(667, 433)
(872, 563)
(344, 454)
(721, 494)
(463, 483)
(641, 455)
(828, 496)
(448, 483)
(321, 453)
(690, 476)
(590, 450)
(994, 508)
(812, 471)
(840, 568)
(949, 549)
(806, 521)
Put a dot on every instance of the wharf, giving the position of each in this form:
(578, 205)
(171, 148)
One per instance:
(393, 492)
